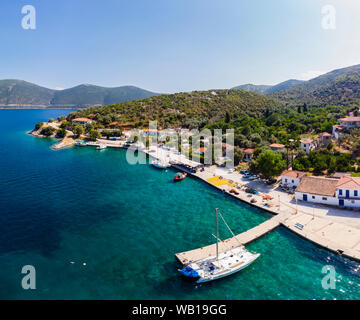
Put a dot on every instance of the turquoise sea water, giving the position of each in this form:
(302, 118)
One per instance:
(125, 222)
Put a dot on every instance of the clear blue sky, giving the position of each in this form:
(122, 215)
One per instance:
(175, 45)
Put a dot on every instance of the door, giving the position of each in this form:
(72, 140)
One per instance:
(347, 193)
(305, 197)
(341, 203)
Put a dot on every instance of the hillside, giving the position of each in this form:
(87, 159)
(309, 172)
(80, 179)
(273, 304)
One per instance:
(22, 93)
(266, 89)
(341, 86)
(191, 109)
(18, 92)
(253, 88)
(94, 95)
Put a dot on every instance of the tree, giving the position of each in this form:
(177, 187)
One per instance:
(94, 134)
(48, 131)
(38, 125)
(61, 133)
(78, 131)
(270, 164)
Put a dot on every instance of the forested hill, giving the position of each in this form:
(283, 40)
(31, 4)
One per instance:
(22, 93)
(341, 86)
(191, 109)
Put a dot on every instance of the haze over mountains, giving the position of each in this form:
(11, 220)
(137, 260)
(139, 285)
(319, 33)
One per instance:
(22, 93)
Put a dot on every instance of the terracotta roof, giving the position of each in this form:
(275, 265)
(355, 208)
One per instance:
(202, 149)
(317, 185)
(293, 174)
(249, 151)
(339, 175)
(340, 128)
(82, 119)
(327, 134)
(306, 141)
(227, 145)
(350, 119)
(349, 183)
(276, 145)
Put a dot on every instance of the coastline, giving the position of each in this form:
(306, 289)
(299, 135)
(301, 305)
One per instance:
(317, 229)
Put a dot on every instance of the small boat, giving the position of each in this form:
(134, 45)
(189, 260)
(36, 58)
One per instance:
(80, 144)
(159, 164)
(101, 147)
(180, 176)
(220, 265)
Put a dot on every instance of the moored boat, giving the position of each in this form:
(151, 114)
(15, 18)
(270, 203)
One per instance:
(220, 265)
(180, 176)
(101, 147)
(160, 164)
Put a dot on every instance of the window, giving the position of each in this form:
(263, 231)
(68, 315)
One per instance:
(324, 198)
(285, 180)
(340, 192)
(292, 181)
(313, 197)
(355, 193)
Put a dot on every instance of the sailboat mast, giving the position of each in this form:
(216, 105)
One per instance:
(217, 234)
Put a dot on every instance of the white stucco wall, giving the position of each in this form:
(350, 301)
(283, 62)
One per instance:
(291, 182)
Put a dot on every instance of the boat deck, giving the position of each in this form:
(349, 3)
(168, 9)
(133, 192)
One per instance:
(242, 238)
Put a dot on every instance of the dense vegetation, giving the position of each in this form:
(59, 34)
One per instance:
(191, 110)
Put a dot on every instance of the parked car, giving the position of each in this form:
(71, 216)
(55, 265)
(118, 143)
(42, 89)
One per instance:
(271, 181)
(244, 172)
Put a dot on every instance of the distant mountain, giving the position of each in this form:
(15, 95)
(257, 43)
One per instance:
(253, 88)
(266, 89)
(283, 86)
(18, 92)
(341, 86)
(22, 93)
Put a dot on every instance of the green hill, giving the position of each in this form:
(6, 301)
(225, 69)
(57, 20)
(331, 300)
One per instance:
(18, 92)
(191, 109)
(85, 95)
(341, 86)
(22, 93)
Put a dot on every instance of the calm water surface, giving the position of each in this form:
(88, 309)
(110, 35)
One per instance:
(96, 227)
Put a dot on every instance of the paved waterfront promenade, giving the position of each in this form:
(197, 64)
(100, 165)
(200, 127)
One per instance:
(241, 239)
(332, 228)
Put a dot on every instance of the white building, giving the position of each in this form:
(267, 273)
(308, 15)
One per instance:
(307, 145)
(344, 192)
(344, 124)
(317, 190)
(291, 178)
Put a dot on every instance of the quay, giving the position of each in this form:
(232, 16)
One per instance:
(334, 229)
(241, 239)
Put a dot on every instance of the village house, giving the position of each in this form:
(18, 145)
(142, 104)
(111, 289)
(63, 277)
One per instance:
(277, 147)
(317, 190)
(200, 151)
(150, 132)
(325, 138)
(345, 124)
(307, 145)
(82, 121)
(343, 192)
(291, 178)
(248, 154)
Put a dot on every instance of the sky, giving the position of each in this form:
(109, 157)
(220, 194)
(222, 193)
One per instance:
(176, 45)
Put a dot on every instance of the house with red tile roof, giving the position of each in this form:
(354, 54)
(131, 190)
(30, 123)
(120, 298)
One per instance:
(307, 145)
(291, 178)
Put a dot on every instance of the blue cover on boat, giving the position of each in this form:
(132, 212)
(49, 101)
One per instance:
(189, 272)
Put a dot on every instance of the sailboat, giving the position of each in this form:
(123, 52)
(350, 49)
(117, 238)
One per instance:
(220, 265)
(157, 163)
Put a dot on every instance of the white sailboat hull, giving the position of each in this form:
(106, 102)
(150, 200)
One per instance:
(228, 272)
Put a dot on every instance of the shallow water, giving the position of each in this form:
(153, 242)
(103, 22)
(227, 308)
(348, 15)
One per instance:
(96, 227)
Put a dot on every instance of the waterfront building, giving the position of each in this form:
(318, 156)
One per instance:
(343, 192)
(291, 178)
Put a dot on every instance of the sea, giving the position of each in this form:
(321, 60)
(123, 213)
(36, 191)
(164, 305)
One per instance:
(93, 226)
